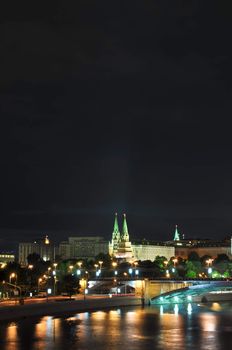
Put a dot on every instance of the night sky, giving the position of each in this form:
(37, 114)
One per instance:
(115, 106)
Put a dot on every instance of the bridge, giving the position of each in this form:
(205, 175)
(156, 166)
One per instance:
(199, 291)
(161, 291)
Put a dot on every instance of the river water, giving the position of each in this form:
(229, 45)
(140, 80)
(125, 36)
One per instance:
(189, 326)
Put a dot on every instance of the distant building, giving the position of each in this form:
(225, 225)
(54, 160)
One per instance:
(42, 247)
(64, 250)
(202, 247)
(121, 247)
(183, 247)
(6, 258)
(83, 247)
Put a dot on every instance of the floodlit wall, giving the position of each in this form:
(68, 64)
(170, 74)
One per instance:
(150, 252)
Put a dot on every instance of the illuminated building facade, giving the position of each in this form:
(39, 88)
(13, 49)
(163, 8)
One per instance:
(6, 258)
(151, 250)
(121, 247)
(43, 247)
(83, 247)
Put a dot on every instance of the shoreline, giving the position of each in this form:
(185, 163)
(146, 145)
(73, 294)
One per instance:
(12, 313)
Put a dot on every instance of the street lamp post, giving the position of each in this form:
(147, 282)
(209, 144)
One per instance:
(86, 284)
(30, 268)
(114, 264)
(39, 281)
(126, 276)
(175, 261)
(100, 264)
(54, 276)
(78, 272)
(13, 275)
(96, 266)
(209, 264)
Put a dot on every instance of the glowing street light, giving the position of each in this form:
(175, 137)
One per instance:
(100, 263)
(114, 264)
(175, 261)
(39, 281)
(79, 264)
(13, 275)
(209, 262)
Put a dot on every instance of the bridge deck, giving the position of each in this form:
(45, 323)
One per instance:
(187, 294)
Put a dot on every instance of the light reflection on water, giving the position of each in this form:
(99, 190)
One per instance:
(166, 327)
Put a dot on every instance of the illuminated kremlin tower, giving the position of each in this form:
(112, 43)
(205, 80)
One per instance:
(113, 246)
(120, 246)
(176, 234)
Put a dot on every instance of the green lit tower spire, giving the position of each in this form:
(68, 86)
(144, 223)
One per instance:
(125, 234)
(116, 233)
(113, 246)
(176, 234)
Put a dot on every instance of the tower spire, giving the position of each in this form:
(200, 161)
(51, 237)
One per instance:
(176, 234)
(125, 234)
(116, 233)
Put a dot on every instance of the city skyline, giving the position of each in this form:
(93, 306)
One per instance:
(38, 235)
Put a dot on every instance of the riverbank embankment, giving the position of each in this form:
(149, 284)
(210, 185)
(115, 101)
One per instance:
(57, 308)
